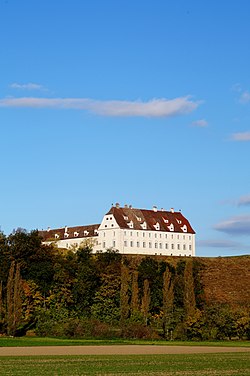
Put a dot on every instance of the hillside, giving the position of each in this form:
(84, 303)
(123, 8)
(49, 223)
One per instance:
(226, 280)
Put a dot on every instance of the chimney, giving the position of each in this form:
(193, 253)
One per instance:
(66, 229)
(48, 229)
(126, 206)
(172, 210)
(155, 208)
(117, 205)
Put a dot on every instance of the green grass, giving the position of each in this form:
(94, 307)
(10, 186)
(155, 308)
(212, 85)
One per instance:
(37, 341)
(155, 365)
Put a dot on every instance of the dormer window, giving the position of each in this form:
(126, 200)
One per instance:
(144, 226)
(86, 233)
(171, 227)
(131, 224)
(66, 235)
(96, 231)
(178, 221)
(184, 228)
(125, 217)
(138, 219)
(157, 226)
(76, 234)
(165, 220)
(56, 236)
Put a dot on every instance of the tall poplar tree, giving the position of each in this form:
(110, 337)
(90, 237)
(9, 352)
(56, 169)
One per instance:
(168, 301)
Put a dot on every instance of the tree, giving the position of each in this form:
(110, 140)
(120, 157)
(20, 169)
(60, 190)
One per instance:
(14, 300)
(124, 293)
(168, 300)
(135, 294)
(189, 295)
(145, 300)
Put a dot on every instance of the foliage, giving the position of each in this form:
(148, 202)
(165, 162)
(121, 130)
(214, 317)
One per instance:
(81, 294)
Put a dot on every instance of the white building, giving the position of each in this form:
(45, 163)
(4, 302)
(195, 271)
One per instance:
(131, 231)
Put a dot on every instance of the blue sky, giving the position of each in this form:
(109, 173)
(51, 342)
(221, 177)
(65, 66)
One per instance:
(137, 102)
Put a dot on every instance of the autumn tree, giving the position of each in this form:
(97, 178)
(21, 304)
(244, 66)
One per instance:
(14, 299)
(145, 301)
(134, 294)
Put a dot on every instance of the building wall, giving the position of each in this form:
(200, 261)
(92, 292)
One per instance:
(132, 241)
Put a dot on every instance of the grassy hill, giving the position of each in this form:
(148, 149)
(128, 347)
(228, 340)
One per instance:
(226, 279)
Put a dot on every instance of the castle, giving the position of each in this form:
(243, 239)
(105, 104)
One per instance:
(130, 231)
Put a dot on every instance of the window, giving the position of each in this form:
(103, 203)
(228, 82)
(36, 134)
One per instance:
(76, 234)
(125, 243)
(137, 234)
(125, 233)
(160, 245)
(183, 237)
(114, 233)
(131, 244)
(171, 227)
(143, 234)
(113, 243)
(112, 225)
(160, 235)
(150, 245)
(178, 246)
(172, 236)
(172, 246)
(156, 245)
(157, 226)
(149, 235)
(155, 235)
(138, 244)
(103, 245)
(190, 247)
(166, 245)
(144, 244)
(178, 237)
(131, 233)
(166, 236)
(189, 237)
(184, 247)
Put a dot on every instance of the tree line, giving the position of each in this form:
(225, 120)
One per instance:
(81, 294)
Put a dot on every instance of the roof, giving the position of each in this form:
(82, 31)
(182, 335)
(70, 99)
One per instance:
(154, 219)
(72, 232)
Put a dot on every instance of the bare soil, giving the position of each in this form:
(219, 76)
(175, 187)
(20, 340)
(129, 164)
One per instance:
(116, 350)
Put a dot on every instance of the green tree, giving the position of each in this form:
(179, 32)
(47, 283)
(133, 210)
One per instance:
(168, 300)
(106, 305)
(124, 293)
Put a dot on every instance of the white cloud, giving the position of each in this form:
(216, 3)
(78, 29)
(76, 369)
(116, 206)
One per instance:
(245, 97)
(200, 123)
(215, 243)
(238, 225)
(29, 86)
(244, 200)
(242, 136)
(152, 108)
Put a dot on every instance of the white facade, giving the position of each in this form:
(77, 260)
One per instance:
(132, 231)
(143, 242)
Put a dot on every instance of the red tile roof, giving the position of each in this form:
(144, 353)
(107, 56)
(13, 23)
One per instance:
(164, 219)
(73, 233)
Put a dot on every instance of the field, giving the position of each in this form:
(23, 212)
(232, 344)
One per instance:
(155, 365)
(45, 341)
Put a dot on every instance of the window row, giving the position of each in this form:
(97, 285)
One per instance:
(172, 246)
